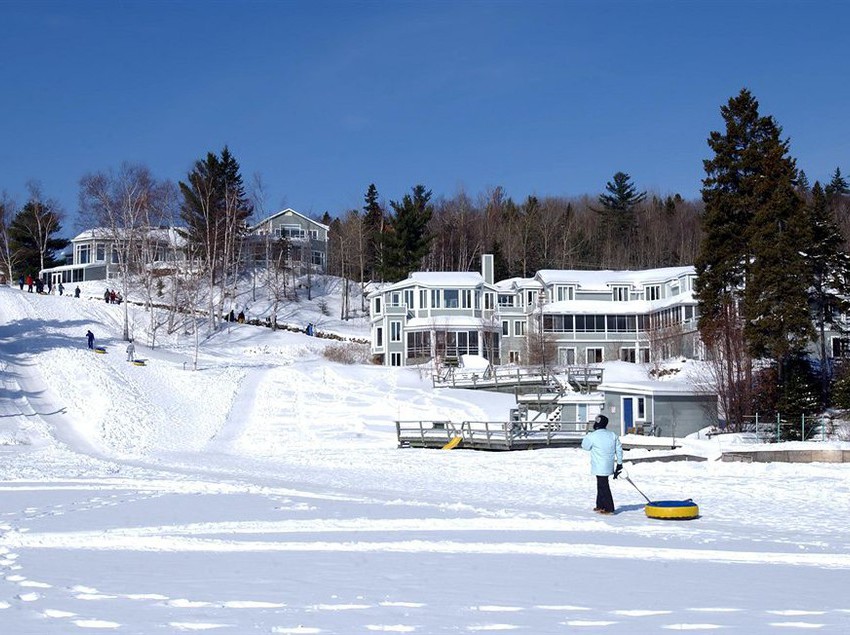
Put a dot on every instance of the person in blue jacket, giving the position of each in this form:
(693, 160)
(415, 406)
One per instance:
(606, 458)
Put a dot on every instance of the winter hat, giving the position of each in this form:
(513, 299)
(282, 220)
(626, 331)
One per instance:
(601, 421)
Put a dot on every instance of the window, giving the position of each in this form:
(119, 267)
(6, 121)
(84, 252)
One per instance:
(652, 292)
(621, 323)
(419, 345)
(377, 306)
(101, 253)
(519, 328)
(395, 299)
(423, 299)
(488, 301)
(566, 356)
(466, 299)
(314, 234)
(506, 328)
(644, 355)
(84, 254)
(593, 355)
(395, 331)
(506, 300)
(395, 359)
(115, 256)
(408, 298)
(530, 298)
(558, 323)
(513, 357)
(563, 292)
(628, 354)
(435, 298)
(640, 408)
(450, 297)
(590, 323)
(620, 293)
(379, 337)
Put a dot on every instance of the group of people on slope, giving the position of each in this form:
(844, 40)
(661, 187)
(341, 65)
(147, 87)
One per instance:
(112, 297)
(40, 285)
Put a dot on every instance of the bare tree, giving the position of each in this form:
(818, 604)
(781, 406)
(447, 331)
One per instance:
(124, 206)
(8, 256)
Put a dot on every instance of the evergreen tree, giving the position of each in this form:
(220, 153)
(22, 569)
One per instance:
(803, 184)
(778, 322)
(373, 226)
(830, 267)
(837, 186)
(618, 205)
(408, 238)
(32, 236)
(215, 208)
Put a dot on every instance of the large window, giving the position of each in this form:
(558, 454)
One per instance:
(419, 345)
(395, 331)
(450, 298)
(621, 323)
(590, 323)
(519, 328)
(565, 293)
(653, 292)
(101, 253)
(620, 293)
(506, 300)
(84, 254)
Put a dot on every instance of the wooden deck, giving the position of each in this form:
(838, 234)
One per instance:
(490, 435)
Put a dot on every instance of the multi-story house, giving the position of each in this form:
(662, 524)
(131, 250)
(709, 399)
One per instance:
(307, 239)
(436, 315)
(95, 254)
(579, 317)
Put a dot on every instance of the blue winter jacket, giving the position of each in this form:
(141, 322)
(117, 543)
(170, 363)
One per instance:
(606, 451)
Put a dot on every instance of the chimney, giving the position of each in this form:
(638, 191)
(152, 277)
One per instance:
(487, 268)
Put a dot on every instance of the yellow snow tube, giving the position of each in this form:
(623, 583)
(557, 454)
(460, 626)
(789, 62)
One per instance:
(672, 510)
(453, 443)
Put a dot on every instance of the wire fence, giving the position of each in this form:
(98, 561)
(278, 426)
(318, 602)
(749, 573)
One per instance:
(776, 428)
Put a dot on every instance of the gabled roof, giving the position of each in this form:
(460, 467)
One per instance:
(169, 235)
(291, 212)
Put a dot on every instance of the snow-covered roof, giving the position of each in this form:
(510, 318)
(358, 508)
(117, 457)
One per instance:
(603, 279)
(656, 388)
(447, 278)
(170, 235)
(630, 307)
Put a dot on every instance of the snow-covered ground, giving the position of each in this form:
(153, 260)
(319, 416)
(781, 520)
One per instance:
(264, 493)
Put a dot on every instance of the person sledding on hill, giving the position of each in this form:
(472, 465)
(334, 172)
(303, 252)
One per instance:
(605, 451)
(90, 338)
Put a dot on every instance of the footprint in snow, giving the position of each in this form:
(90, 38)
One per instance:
(56, 613)
(28, 597)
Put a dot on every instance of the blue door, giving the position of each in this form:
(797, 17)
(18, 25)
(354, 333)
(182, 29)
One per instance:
(628, 414)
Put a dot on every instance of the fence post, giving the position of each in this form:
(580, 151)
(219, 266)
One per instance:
(757, 427)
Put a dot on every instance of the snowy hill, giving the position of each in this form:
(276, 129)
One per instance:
(264, 492)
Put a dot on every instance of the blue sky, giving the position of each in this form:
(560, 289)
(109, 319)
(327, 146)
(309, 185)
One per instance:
(323, 98)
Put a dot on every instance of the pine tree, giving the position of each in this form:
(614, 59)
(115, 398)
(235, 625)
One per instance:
(830, 267)
(837, 186)
(408, 238)
(215, 207)
(618, 205)
(778, 322)
(373, 226)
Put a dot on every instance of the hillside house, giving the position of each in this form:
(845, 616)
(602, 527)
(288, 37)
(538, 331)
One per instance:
(307, 240)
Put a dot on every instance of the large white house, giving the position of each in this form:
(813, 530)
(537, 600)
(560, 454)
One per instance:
(582, 317)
